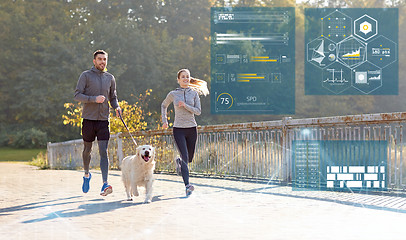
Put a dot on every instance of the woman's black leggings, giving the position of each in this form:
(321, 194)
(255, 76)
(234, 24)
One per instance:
(185, 139)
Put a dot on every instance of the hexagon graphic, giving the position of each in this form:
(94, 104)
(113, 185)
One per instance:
(336, 78)
(382, 51)
(365, 27)
(321, 52)
(367, 77)
(336, 26)
(351, 52)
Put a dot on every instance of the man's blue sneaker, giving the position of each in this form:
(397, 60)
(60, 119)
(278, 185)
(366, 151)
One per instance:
(106, 189)
(178, 166)
(86, 181)
(189, 189)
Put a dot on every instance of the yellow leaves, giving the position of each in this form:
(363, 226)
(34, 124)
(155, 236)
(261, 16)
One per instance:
(73, 114)
(132, 114)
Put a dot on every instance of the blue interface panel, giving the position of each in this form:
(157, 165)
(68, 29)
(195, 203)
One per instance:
(253, 60)
(351, 51)
(339, 165)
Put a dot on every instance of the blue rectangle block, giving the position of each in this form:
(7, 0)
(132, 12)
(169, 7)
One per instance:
(339, 165)
(351, 51)
(253, 60)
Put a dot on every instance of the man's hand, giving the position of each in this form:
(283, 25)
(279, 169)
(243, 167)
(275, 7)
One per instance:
(118, 112)
(100, 99)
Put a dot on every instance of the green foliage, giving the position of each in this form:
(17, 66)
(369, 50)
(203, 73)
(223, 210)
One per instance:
(38, 63)
(40, 161)
(45, 45)
(29, 138)
(4, 139)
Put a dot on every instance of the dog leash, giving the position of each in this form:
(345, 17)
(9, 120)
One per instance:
(125, 125)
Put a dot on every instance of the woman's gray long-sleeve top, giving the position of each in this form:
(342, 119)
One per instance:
(184, 116)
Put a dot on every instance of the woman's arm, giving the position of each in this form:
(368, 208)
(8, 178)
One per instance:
(196, 109)
(164, 108)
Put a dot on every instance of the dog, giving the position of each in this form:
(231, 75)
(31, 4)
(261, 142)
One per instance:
(138, 170)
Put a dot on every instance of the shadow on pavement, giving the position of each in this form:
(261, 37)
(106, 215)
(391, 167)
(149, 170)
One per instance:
(85, 209)
(266, 186)
(39, 204)
(94, 208)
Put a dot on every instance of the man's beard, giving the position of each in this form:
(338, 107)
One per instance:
(100, 68)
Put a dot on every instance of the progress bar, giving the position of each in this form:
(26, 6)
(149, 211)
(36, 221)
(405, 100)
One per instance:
(263, 59)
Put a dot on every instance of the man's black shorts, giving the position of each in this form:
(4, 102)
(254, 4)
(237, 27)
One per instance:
(95, 128)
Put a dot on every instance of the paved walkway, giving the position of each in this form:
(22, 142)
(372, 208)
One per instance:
(49, 204)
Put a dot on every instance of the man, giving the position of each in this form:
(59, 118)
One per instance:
(93, 89)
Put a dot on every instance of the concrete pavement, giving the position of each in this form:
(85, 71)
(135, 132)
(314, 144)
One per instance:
(49, 204)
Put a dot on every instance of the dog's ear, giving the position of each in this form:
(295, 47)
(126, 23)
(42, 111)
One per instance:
(138, 150)
(152, 154)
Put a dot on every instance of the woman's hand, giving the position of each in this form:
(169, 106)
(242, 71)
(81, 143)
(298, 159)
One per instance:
(181, 104)
(165, 125)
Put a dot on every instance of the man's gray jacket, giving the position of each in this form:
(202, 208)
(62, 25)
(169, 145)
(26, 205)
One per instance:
(91, 84)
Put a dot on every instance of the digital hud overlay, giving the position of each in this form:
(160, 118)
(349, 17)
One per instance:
(340, 165)
(351, 51)
(253, 60)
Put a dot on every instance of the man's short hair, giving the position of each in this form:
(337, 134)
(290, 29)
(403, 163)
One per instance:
(97, 52)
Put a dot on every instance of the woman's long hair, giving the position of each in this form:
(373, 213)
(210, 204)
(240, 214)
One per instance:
(200, 86)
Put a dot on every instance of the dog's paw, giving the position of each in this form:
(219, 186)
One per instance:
(135, 193)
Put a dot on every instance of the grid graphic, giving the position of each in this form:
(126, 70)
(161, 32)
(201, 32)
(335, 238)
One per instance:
(336, 26)
(339, 165)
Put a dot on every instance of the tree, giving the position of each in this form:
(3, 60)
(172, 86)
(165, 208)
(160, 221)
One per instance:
(45, 45)
(37, 60)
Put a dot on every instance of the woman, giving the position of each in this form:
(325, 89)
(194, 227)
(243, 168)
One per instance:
(186, 102)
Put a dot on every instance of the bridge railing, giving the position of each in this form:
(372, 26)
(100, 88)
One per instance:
(256, 150)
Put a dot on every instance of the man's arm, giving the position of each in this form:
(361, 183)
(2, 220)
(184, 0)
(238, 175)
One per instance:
(113, 94)
(80, 90)
(113, 97)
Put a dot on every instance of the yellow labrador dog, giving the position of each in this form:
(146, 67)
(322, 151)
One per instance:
(137, 170)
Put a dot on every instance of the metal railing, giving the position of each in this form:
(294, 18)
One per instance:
(258, 150)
